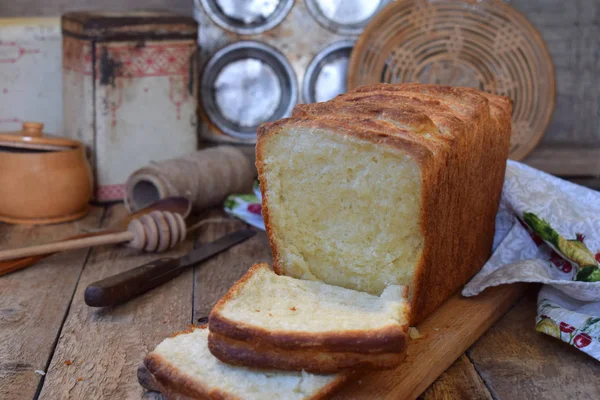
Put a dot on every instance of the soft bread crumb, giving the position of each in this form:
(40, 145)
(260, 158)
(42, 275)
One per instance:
(329, 223)
(338, 308)
(414, 333)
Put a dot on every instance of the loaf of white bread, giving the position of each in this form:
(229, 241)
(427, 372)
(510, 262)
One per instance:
(386, 185)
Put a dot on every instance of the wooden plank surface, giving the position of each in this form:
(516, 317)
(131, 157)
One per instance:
(34, 302)
(566, 161)
(571, 32)
(215, 276)
(105, 346)
(516, 362)
(448, 332)
(460, 381)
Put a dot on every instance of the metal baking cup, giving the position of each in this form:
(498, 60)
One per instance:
(326, 74)
(245, 84)
(347, 17)
(247, 17)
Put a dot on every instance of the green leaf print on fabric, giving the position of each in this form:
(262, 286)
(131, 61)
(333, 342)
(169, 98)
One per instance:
(572, 249)
(590, 324)
(542, 228)
(230, 203)
(250, 198)
(588, 273)
(547, 304)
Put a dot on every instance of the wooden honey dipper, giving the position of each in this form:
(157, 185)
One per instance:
(156, 231)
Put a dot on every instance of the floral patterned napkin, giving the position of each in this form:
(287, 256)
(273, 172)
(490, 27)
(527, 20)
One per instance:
(247, 207)
(548, 231)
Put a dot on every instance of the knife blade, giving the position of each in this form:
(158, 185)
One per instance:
(129, 284)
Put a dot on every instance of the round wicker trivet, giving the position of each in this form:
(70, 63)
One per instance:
(482, 44)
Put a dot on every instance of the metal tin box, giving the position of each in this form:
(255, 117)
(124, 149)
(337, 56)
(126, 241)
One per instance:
(129, 90)
(30, 70)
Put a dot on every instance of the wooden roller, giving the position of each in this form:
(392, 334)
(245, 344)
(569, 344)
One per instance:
(156, 232)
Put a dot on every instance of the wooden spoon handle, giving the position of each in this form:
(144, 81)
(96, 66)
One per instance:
(72, 244)
(15, 265)
(178, 205)
(20, 263)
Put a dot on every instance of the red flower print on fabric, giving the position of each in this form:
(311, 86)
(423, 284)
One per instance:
(566, 328)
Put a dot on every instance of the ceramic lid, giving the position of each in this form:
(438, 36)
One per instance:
(32, 138)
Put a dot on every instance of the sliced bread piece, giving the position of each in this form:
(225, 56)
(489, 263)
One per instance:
(264, 314)
(181, 367)
(238, 352)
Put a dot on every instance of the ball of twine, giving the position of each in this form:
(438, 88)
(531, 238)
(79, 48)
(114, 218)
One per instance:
(205, 177)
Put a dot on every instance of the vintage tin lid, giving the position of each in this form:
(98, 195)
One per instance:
(101, 25)
(32, 140)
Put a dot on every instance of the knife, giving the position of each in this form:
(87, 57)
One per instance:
(129, 284)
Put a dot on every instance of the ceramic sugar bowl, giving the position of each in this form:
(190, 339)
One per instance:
(43, 179)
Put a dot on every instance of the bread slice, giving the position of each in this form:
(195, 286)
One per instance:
(386, 185)
(321, 328)
(181, 367)
(238, 352)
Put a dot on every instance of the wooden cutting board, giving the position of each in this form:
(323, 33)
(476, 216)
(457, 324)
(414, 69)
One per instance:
(448, 333)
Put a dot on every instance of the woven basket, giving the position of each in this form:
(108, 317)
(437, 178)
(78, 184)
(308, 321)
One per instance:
(485, 44)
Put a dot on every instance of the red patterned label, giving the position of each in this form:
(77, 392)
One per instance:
(130, 60)
(11, 52)
(110, 192)
(118, 62)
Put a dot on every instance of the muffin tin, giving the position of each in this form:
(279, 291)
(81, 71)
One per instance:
(325, 76)
(347, 17)
(256, 54)
(247, 17)
(247, 83)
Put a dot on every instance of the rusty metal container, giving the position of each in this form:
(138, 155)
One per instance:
(129, 90)
(30, 69)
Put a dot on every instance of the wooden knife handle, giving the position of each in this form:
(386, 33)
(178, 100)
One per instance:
(20, 263)
(127, 285)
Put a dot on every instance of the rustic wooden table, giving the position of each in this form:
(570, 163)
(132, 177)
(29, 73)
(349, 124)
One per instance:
(85, 353)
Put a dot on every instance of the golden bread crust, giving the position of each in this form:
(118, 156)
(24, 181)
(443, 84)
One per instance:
(385, 340)
(174, 384)
(157, 374)
(315, 361)
(462, 170)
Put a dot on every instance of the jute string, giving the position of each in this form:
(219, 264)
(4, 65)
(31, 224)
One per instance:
(205, 177)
